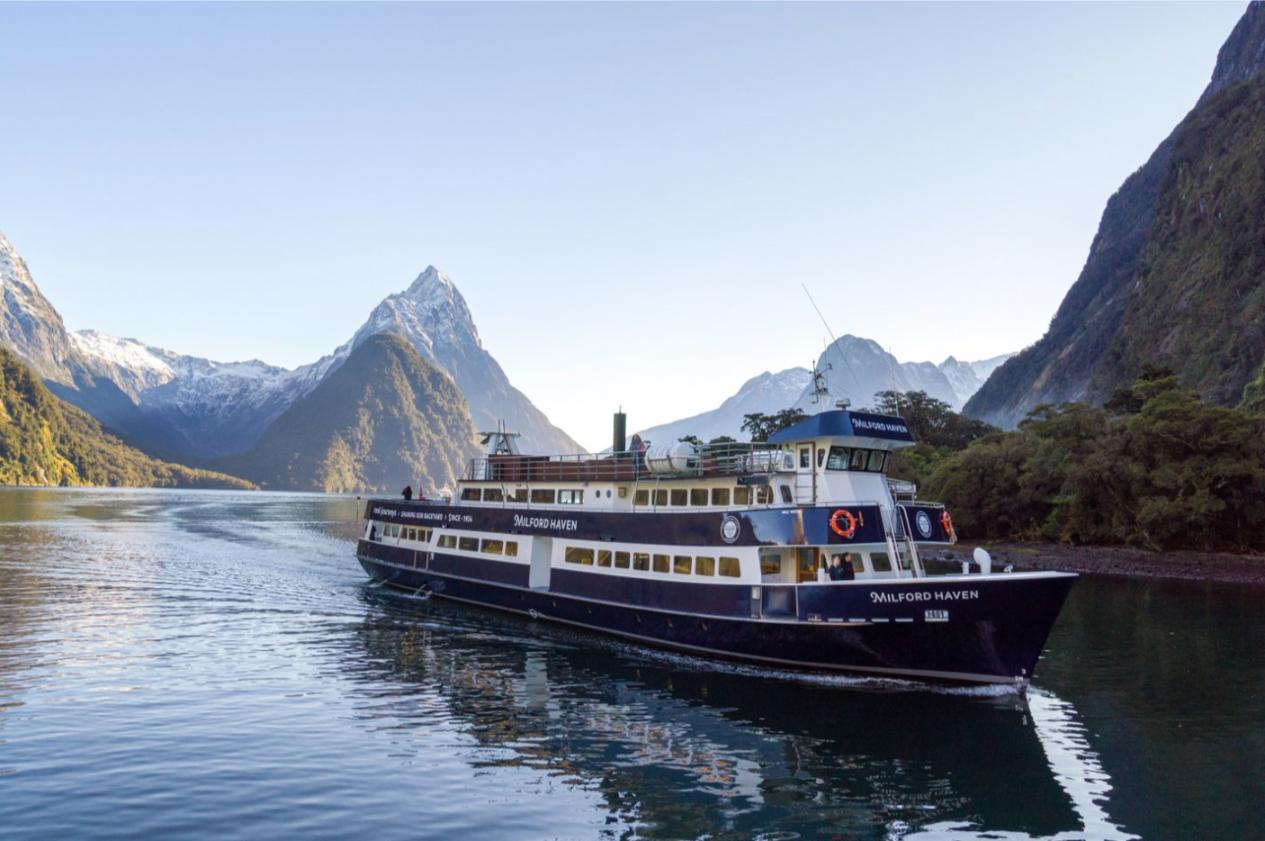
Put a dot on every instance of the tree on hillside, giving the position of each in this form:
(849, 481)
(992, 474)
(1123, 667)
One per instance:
(931, 421)
(761, 426)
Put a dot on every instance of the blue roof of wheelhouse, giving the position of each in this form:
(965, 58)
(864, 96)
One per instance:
(842, 423)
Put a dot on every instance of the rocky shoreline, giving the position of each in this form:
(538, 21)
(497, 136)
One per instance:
(1124, 562)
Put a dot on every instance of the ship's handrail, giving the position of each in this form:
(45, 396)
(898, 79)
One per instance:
(723, 459)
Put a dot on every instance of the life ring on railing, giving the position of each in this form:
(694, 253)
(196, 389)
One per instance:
(843, 514)
(947, 523)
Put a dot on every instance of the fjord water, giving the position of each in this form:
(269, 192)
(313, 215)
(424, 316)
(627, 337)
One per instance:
(211, 664)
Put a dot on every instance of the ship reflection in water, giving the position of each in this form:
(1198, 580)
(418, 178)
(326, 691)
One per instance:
(680, 748)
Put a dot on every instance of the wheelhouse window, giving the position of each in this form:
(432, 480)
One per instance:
(805, 458)
(764, 495)
(848, 458)
(542, 496)
(839, 458)
(787, 497)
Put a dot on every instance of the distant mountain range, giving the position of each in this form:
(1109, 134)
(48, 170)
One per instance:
(853, 368)
(1176, 272)
(197, 410)
(45, 441)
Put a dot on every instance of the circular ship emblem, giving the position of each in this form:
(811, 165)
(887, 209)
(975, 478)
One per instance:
(924, 524)
(730, 528)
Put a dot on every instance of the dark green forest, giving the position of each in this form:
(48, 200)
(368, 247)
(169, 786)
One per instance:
(44, 441)
(1155, 467)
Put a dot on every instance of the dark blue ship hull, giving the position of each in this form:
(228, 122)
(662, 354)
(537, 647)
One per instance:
(969, 629)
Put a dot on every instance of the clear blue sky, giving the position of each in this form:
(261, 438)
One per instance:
(629, 196)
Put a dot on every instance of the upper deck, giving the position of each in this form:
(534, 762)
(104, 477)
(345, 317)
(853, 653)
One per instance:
(845, 440)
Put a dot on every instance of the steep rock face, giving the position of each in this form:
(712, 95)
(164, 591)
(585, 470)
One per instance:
(383, 419)
(44, 441)
(29, 325)
(1173, 274)
(1198, 300)
(765, 393)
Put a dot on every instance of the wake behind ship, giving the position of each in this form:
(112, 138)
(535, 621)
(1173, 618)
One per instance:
(798, 552)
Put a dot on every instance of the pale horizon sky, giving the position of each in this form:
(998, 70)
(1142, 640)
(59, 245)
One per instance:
(628, 196)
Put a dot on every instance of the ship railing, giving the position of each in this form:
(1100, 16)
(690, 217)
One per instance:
(722, 459)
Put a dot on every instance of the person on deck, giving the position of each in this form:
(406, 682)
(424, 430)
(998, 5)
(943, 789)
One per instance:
(839, 571)
(407, 493)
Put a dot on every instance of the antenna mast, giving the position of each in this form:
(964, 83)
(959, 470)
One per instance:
(820, 391)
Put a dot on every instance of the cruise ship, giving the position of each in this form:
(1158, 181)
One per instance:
(798, 552)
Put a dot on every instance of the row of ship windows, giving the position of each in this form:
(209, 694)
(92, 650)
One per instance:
(509, 548)
(695, 497)
(487, 546)
(699, 496)
(644, 561)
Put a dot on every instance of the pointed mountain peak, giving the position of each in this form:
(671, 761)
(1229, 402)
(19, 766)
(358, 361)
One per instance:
(430, 284)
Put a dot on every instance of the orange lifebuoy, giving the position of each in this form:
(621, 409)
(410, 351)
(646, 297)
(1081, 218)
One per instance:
(843, 514)
(947, 522)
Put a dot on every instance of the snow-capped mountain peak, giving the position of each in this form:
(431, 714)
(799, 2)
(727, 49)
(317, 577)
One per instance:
(431, 314)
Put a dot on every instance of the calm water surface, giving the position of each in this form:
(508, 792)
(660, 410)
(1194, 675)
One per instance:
(209, 664)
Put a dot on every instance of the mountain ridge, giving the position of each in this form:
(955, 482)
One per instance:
(178, 406)
(854, 368)
(46, 441)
